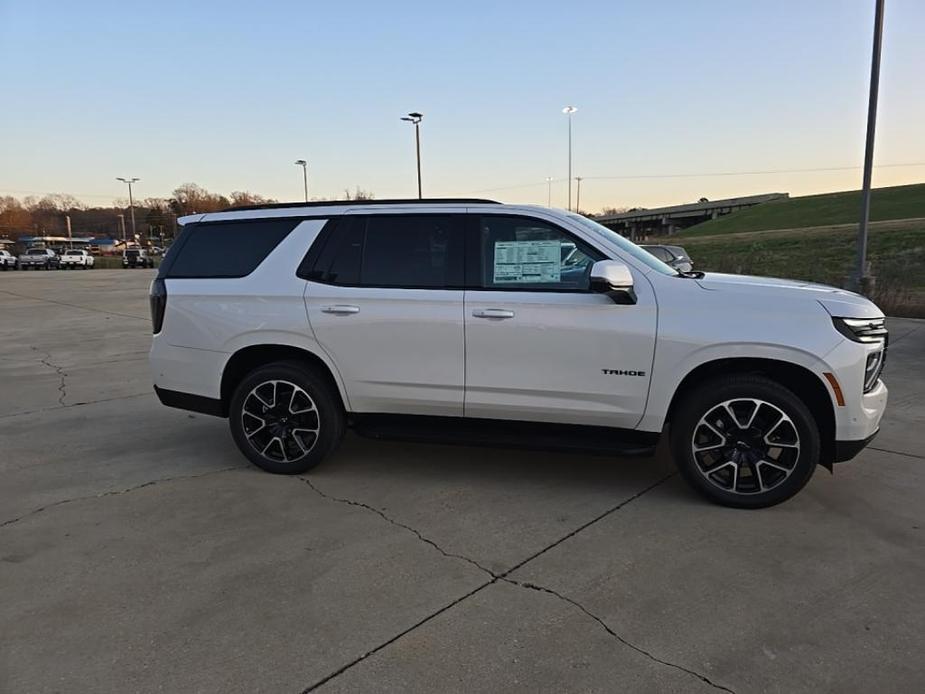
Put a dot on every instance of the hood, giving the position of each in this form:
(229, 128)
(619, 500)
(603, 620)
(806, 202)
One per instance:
(838, 302)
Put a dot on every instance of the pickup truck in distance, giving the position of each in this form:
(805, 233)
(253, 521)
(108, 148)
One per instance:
(36, 258)
(78, 258)
(470, 320)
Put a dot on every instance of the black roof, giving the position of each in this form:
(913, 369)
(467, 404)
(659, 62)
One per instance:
(332, 203)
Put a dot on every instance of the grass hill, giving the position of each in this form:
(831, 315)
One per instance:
(814, 238)
(896, 202)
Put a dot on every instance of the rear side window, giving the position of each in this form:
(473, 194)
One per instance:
(403, 251)
(226, 249)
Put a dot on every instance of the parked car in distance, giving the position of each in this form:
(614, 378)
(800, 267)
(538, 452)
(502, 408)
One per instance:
(43, 258)
(476, 321)
(8, 261)
(136, 257)
(77, 258)
(674, 256)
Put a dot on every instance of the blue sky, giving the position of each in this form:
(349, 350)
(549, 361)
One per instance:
(228, 94)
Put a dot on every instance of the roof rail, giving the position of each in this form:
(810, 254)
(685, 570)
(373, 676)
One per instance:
(331, 203)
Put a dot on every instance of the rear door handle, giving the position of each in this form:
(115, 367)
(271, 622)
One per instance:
(493, 313)
(341, 309)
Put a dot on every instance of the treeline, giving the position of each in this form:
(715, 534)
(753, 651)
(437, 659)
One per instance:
(155, 218)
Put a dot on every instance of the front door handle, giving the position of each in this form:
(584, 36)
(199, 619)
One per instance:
(341, 309)
(499, 313)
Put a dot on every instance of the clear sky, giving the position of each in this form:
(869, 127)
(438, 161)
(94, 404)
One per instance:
(228, 94)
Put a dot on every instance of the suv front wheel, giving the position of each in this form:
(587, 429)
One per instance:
(745, 441)
(285, 418)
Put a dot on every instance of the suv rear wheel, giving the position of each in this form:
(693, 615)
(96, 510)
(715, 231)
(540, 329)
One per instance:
(745, 441)
(285, 418)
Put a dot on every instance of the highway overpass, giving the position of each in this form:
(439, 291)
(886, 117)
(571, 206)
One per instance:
(664, 221)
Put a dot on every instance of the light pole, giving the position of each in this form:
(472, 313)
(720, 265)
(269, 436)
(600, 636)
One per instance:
(578, 194)
(304, 165)
(549, 191)
(122, 224)
(569, 110)
(131, 205)
(862, 281)
(415, 118)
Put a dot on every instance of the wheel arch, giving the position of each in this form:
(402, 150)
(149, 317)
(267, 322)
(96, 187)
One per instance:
(246, 359)
(805, 384)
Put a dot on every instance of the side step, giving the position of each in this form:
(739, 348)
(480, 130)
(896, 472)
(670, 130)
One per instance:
(507, 434)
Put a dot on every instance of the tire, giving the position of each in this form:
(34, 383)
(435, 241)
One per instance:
(750, 471)
(267, 395)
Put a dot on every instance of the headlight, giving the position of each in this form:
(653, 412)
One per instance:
(867, 331)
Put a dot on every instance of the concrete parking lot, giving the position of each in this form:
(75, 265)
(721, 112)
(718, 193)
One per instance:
(140, 552)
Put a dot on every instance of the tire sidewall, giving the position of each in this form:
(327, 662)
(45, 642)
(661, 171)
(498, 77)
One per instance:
(708, 396)
(330, 416)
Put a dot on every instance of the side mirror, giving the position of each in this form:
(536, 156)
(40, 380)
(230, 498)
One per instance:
(614, 279)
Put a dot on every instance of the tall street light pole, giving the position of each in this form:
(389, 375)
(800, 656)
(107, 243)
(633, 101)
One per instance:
(578, 194)
(569, 110)
(549, 191)
(131, 203)
(862, 280)
(415, 118)
(304, 165)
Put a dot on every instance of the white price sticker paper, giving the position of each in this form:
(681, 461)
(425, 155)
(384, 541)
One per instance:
(527, 261)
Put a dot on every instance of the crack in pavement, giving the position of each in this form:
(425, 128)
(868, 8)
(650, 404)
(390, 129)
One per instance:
(399, 524)
(74, 404)
(64, 303)
(62, 386)
(503, 576)
(117, 492)
(886, 450)
(618, 637)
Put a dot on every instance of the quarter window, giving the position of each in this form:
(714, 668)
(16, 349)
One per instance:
(225, 249)
(522, 253)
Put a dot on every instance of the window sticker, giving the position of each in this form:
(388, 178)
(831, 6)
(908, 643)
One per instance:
(527, 262)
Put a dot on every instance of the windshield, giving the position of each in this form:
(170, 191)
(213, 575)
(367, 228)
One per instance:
(74, 253)
(131, 253)
(624, 244)
(36, 251)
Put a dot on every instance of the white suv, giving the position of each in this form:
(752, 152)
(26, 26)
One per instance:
(462, 320)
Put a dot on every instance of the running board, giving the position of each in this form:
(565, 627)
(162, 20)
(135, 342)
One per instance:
(507, 434)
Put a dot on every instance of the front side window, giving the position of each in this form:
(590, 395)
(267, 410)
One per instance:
(524, 253)
(624, 244)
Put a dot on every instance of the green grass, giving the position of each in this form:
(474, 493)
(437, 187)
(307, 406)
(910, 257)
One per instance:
(897, 202)
(897, 258)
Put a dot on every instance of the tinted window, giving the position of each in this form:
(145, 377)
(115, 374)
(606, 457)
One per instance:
(339, 260)
(412, 251)
(522, 253)
(228, 249)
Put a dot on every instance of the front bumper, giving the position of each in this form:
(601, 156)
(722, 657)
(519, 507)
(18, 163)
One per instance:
(847, 450)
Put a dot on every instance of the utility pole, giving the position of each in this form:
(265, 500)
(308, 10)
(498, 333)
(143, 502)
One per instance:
(415, 119)
(549, 191)
(862, 281)
(304, 165)
(569, 110)
(122, 222)
(70, 240)
(131, 203)
(578, 195)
